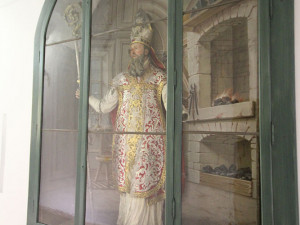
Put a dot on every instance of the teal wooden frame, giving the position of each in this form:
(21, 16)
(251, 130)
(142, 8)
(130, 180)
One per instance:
(175, 83)
(283, 117)
(37, 102)
(279, 201)
(279, 190)
(83, 115)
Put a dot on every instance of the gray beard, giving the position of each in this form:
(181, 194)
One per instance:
(138, 66)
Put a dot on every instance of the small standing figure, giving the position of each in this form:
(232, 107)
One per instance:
(193, 101)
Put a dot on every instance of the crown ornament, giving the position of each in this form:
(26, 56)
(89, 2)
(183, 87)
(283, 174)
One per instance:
(141, 31)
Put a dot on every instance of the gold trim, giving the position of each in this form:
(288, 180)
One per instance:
(160, 103)
(140, 42)
(156, 199)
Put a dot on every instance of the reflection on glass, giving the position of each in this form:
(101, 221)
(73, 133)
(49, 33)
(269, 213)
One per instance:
(59, 135)
(194, 7)
(220, 137)
(126, 149)
(65, 22)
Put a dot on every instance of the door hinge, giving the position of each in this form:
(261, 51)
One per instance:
(272, 133)
(174, 209)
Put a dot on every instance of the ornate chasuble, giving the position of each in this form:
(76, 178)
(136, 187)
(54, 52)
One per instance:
(140, 158)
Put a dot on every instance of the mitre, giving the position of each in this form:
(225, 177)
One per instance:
(142, 33)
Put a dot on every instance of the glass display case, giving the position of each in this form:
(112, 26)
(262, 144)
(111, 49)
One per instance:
(153, 112)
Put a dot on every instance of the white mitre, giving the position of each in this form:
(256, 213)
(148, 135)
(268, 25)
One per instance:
(141, 31)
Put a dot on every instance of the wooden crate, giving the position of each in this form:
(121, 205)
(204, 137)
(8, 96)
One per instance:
(238, 186)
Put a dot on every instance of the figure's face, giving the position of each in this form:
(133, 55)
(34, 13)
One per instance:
(137, 49)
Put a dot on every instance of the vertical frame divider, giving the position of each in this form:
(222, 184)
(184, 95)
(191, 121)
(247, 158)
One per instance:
(283, 113)
(169, 203)
(178, 110)
(174, 114)
(37, 107)
(80, 205)
(266, 190)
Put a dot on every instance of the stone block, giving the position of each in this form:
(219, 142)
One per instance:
(203, 54)
(188, 156)
(199, 30)
(242, 127)
(220, 17)
(252, 124)
(254, 170)
(215, 20)
(240, 110)
(190, 165)
(192, 39)
(193, 176)
(217, 127)
(250, 9)
(252, 30)
(253, 81)
(193, 65)
(253, 94)
(234, 11)
(226, 14)
(195, 157)
(207, 25)
(193, 137)
(242, 9)
(227, 126)
(185, 141)
(194, 146)
(197, 166)
(255, 189)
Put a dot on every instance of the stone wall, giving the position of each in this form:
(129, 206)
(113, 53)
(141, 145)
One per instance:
(228, 39)
(214, 150)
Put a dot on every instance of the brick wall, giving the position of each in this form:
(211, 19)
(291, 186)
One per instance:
(241, 60)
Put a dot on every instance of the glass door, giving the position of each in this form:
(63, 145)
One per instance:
(126, 148)
(56, 204)
(220, 150)
(182, 146)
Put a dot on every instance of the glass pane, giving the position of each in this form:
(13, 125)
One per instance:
(126, 149)
(59, 129)
(65, 22)
(220, 137)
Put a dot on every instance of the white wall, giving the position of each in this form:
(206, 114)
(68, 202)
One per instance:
(18, 19)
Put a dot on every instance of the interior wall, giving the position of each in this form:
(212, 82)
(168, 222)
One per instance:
(16, 68)
(18, 21)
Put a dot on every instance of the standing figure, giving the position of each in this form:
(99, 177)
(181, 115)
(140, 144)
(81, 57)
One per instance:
(139, 148)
